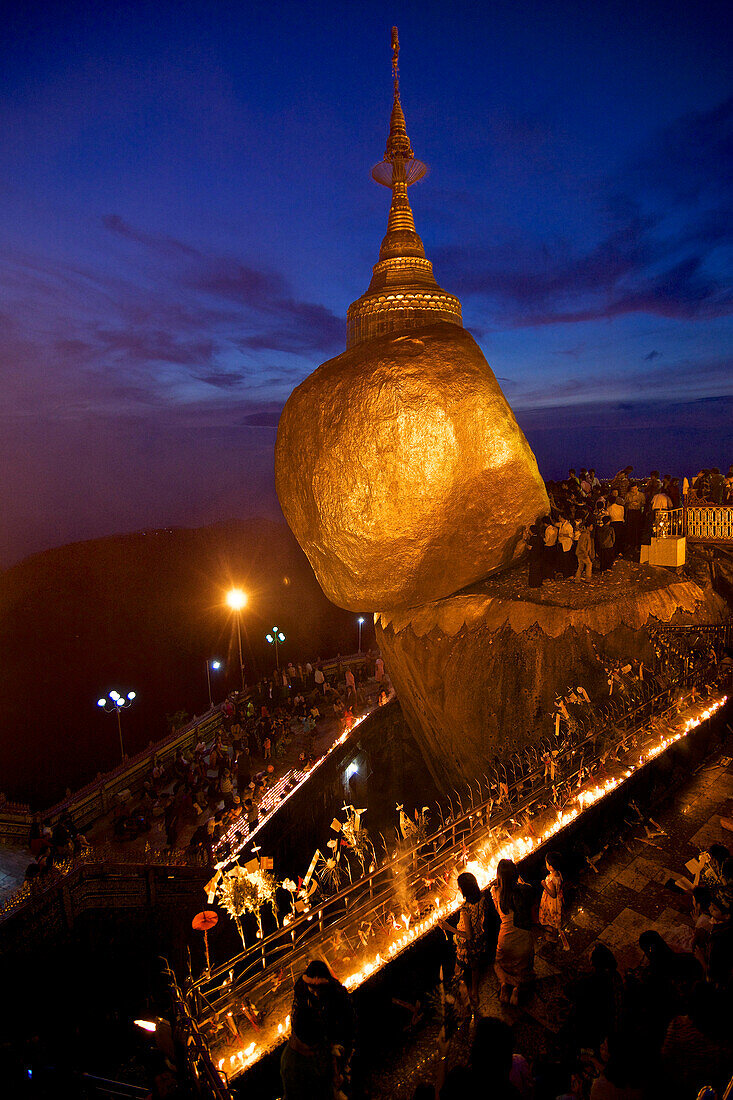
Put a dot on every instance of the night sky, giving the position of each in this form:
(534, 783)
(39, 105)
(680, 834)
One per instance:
(187, 213)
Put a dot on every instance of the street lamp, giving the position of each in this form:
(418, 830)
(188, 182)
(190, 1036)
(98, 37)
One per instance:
(215, 665)
(237, 599)
(275, 638)
(360, 621)
(114, 703)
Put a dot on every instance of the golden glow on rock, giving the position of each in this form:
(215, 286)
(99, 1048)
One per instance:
(402, 471)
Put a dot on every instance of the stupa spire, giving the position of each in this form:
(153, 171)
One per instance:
(398, 143)
(403, 293)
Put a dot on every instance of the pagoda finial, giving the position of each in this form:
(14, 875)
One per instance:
(398, 154)
(403, 292)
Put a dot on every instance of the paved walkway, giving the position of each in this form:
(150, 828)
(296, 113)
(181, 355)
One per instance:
(15, 860)
(626, 896)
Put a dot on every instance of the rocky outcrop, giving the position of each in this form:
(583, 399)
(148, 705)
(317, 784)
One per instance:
(476, 673)
(402, 471)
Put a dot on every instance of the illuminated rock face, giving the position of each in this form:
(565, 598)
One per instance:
(402, 471)
(477, 674)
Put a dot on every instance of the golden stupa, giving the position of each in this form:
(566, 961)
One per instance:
(403, 294)
(399, 465)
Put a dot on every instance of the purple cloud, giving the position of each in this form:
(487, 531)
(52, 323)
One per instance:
(663, 225)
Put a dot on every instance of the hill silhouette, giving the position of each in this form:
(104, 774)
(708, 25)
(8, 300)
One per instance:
(142, 612)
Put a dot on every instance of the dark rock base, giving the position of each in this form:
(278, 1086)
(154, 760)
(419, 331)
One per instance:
(477, 674)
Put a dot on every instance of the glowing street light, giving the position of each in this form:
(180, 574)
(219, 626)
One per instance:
(360, 621)
(237, 599)
(114, 703)
(274, 638)
(215, 666)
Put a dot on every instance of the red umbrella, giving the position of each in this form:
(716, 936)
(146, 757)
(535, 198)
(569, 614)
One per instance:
(202, 922)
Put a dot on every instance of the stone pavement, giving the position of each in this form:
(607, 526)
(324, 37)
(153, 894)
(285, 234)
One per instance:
(614, 905)
(13, 862)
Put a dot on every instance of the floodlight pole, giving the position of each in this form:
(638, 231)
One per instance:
(119, 730)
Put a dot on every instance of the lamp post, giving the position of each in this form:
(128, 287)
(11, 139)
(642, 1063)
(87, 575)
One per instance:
(216, 665)
(237, 599)
(360, 621)
(114, 703)
(275, 638)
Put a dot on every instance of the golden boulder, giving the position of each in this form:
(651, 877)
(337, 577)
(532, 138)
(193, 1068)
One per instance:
(402, 471)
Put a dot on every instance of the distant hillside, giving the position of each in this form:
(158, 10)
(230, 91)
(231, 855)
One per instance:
(142, 612)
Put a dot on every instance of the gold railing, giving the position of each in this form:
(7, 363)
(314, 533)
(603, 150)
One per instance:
(697, 522)
(709, 522)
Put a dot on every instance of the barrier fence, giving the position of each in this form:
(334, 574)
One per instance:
(707, 523)
(339, 926)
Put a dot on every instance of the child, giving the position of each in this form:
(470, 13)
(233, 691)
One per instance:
(551, 903)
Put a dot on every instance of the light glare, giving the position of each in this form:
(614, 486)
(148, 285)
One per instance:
(237, 599)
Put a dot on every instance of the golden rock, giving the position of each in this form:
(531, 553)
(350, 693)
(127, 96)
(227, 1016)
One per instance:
(402, 471)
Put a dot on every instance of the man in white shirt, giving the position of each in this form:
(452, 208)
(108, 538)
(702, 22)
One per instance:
(565, 534)
(615, 512)
(551, 550)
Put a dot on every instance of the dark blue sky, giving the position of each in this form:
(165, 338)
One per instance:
(187, 212)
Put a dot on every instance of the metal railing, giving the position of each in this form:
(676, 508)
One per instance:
(709, 522)
(102, 860)
(669, 524)
(372, 899)
(210, 1082)
(696, 522)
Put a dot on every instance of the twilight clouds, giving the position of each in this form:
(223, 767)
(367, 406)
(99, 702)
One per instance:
(187, 213)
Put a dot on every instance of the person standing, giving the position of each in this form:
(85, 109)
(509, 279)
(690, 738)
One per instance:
(551, 903)
(514, 961)
(634, 503)
(585, 552)
(616, 515)
(565, 540)
(661, 502)
(470, 937)
(550, 549)
(605, 538)
(350, 687)
(316, 1056)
